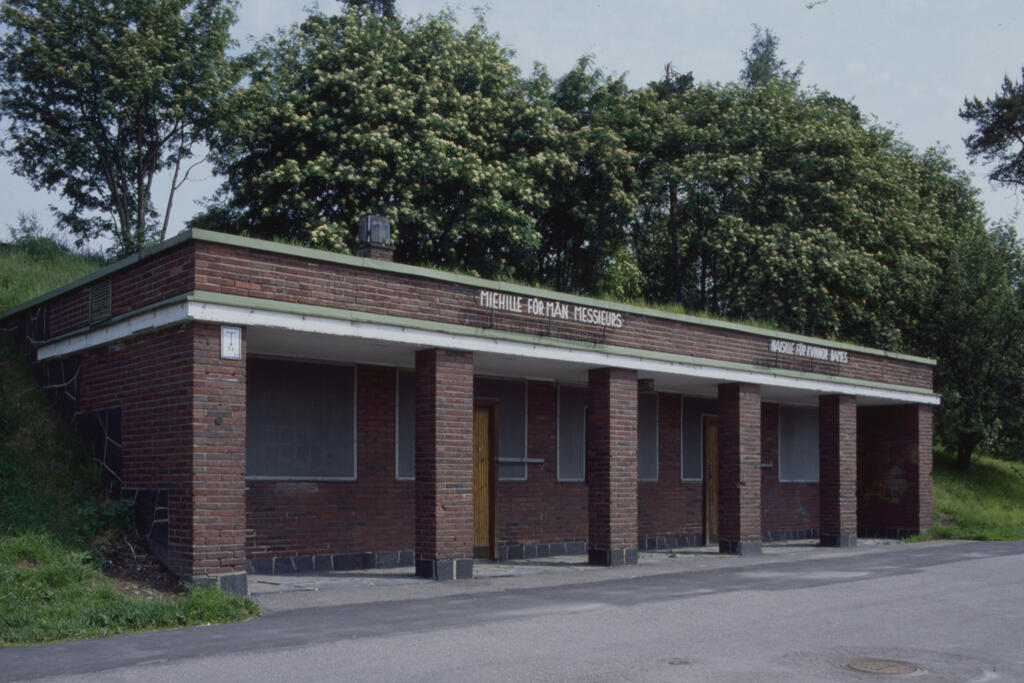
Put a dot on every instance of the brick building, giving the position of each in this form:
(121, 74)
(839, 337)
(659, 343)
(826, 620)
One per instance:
(278, 409)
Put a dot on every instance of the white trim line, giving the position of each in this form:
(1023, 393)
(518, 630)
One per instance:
(249, 317)
(143, 322)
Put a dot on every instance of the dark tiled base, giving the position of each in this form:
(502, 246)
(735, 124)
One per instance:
(235, 584)
(533, 550)
(445, 570)
(670, 542)
(303, 564)
(739, 547)
(885, 532)
(788, 535)
(603, 557)
(839, 540)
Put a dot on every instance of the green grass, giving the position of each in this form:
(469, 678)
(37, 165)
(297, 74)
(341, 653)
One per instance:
(51, 592)
(984, 503)
(35, 265)
(53, 516)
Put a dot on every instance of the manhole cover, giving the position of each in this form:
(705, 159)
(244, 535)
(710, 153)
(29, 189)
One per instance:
(882, 667)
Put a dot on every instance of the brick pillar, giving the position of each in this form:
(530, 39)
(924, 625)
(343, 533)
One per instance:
(894, 470)
(922, 418)
(837, 448)
(215, 498)
(444, 464)
(611, 466)
(739, 469)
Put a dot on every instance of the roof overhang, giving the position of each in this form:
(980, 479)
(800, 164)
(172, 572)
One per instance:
(326, 334)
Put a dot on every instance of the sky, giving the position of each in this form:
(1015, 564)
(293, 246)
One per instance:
(909, 63)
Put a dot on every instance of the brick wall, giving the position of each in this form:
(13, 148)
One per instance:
(788, 509)
(444, 455)
(149, 379)
(171, 388)
(739, 456)
(152, 280)
(221, 268)
(669, 507)
(542, 510)
(217, 504)
(894, 465)
(611, 464)
(837, 442)
(247, 272)
(375, 513)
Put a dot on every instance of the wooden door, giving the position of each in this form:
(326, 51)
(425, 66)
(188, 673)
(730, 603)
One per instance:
(483, 480)
(710, 478)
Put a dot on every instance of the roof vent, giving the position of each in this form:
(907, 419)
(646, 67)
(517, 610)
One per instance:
(99, 302)
(375, 238)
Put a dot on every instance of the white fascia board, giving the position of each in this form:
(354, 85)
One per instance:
(431, 339)
(233, 315)
(129, 327)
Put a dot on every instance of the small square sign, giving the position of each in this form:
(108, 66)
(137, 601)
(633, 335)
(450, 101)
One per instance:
(231, 342)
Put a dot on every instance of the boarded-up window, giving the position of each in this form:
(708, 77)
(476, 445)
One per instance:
(405, 425)
(510, 396)
(572, 433)
(300, 420)
(647, 437)
(692, 456)
(798, 444)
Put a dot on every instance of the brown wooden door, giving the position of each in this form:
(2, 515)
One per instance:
(711, 478)
(483, 478)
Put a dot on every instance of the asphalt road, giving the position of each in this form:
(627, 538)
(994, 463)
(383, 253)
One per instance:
(953, 610)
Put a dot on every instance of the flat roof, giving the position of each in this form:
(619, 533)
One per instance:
(439, 275)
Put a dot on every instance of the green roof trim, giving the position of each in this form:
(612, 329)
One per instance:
(454, 278)
(479, 282)
(101, 273)
(273, 306)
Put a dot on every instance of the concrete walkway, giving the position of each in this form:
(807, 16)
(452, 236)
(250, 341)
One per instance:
(266, 584)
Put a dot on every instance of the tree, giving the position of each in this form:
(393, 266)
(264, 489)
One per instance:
(102, 97)
(380, 8)
(976, 331)
(412, 119)
(590, 199)
(999, 131)
(660, 141)
(787, 209)
(761, 62)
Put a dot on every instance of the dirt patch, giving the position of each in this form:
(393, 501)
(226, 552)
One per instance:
(138, 574)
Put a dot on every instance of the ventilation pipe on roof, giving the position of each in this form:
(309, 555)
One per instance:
(375, 238)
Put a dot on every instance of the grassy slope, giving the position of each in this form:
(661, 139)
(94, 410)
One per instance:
(51, 587)
(984, 503)
(35, 266)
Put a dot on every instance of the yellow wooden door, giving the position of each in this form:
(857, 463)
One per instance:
(483, 474)
(711, 478)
